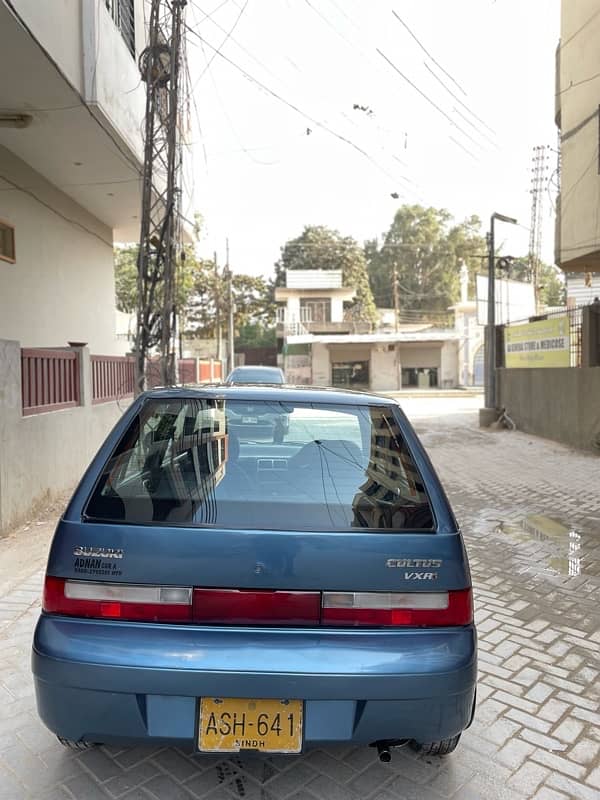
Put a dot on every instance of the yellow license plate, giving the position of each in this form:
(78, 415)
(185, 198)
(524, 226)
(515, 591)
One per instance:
(229, 724)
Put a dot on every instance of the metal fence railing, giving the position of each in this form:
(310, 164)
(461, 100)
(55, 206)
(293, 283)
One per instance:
(574, 316)
(49, 380)
(113, 377)
(189, 371)
(123, 14)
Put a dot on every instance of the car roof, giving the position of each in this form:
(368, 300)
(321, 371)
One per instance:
(271, 392)
(252, 367)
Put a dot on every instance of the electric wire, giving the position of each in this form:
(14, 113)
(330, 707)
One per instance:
(427, 53)
(233, 39)
(220, 47)
(69, 185)
(566, 196)
(51, 208)
(468, 152)
(573, 84)
(369, 59)
(226, 114)
(458, 100)
(426, 97)
(294, 107)
(278, 77)
(562, 45)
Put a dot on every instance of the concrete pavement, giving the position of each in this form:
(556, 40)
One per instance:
(530, 510)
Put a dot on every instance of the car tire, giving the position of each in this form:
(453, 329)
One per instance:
(71, 745)
(441, 748)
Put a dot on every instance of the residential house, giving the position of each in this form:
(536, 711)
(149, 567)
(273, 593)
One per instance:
(312, 301)
(71, 111)
(577, 86)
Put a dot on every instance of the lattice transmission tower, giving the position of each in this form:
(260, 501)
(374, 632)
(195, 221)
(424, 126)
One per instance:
(539, 181)
(161, 66)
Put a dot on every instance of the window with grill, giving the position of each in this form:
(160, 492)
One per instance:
(123, 14)
(318, 309)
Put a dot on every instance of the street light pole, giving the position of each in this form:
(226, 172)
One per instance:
(490, 333)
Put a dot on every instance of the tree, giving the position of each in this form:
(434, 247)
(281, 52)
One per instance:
(254, 334)
(552, 285)
(425, 250)
(126, 279)
(319, 247)
(552, 291)
(252, 298)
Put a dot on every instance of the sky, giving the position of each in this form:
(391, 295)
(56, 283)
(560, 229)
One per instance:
(275, 142)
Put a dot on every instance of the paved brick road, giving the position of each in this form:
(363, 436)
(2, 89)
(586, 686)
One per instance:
(531, 514)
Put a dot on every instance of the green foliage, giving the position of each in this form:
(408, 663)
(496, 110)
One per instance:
(255, 334)
(319, 247)
(552, 290)
(126, 278)
(209, 304)
(426, 250)
(200, 294)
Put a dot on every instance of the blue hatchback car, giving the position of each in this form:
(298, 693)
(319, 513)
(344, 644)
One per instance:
(209, 590)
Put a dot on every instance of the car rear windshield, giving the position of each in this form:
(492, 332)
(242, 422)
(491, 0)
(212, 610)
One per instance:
(262, 465)
(256, 375)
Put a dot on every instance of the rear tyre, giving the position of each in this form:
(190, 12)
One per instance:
(71, 745)
(441, 748)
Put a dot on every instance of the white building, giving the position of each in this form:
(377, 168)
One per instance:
(423, 359)
(470, 336)
(312, 301)
(71, 108)
(577, 242)
(416, 356)
(71, 112)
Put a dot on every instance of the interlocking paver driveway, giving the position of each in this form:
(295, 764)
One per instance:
(530, 510)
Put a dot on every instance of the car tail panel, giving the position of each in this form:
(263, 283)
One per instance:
(249, 559)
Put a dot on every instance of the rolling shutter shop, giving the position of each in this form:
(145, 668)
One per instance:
(421, 365)
(350, 365)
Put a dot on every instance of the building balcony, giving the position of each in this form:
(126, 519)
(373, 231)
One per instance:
(74, 76)
(303, 323)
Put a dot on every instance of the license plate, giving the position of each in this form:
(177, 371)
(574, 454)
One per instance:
(249, 420)
(229, 724)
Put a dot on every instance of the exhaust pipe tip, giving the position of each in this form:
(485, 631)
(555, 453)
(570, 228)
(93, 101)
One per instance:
(383, 752)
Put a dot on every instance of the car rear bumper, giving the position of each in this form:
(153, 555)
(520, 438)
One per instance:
(140, 683)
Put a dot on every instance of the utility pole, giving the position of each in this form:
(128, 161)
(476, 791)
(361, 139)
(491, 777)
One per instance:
(396, 300)
(538, 187)
(490, 331)
(231, 310)
(218, 332)
(160, 231)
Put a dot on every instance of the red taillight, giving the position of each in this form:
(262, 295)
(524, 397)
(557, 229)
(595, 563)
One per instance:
(145, 603)
(117, 601)
(247, 607)
(382, 609)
